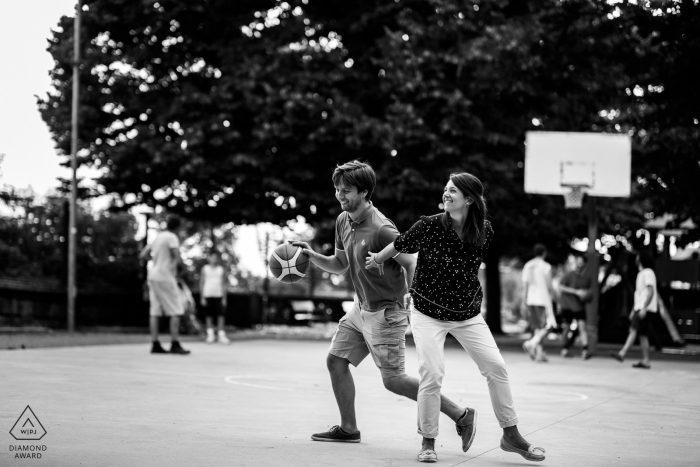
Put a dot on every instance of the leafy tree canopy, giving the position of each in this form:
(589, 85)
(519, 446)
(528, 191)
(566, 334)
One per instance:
(239, 111)
(33, 241)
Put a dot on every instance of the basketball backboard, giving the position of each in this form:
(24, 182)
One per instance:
(599, 163)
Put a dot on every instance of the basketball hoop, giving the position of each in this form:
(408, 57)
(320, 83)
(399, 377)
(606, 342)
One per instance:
(573, 199)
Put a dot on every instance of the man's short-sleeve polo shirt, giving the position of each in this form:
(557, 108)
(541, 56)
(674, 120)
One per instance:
(371, 232)
(575, 280)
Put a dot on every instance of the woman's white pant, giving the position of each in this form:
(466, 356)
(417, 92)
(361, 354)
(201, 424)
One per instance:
(475, 336)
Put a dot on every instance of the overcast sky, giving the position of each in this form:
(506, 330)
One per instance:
(30, 157)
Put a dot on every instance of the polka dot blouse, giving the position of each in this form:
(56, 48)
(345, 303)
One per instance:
(445, 284)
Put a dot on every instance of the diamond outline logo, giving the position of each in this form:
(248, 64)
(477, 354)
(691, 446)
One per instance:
(27, 417)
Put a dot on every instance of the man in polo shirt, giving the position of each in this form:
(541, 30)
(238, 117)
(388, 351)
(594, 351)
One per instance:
(377, 324)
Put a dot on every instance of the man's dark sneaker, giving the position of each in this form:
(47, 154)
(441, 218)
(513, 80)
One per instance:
(175, 347)
(466, 428)
(157, 348)
(585, 355)
(337, 435)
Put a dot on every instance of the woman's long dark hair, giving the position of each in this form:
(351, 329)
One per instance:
(474, 229)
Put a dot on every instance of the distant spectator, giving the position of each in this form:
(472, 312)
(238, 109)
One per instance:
(645, 302)
(575, 290)
(212, 288)
(164, 293)
(537, 297)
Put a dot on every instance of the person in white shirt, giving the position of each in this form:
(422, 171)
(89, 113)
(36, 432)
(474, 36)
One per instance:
(164, 294)
(212, 289)
(646, 300)
(537, 297)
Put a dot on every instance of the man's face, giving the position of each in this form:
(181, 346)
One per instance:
(350, 199)
(580, 263)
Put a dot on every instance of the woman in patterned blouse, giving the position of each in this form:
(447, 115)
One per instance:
(446, 296)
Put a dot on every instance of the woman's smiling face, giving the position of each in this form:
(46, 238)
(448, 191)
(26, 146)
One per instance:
(453, 199)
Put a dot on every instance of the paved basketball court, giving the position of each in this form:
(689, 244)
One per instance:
(255, 403)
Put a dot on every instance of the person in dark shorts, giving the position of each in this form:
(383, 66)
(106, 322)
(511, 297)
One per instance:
(645, 302)
(212, 288)
(575, 290)
(377, 323)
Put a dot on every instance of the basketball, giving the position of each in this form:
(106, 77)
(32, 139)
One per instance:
(288, 263)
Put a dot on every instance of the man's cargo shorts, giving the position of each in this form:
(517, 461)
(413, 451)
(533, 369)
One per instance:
(380, 333)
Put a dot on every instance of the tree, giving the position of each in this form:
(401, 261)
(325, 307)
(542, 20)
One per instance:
(183, 108)
(240, 111)
(660, 105)
(33, 242)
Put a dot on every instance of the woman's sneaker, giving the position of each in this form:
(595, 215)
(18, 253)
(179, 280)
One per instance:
(337, 435)
(427, 455)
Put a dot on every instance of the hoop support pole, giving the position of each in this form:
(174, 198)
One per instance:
(592, 271)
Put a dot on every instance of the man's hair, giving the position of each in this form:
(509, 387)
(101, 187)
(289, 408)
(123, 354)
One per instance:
(173, 222)
(357, 174)
(539, 249)
(645, 260)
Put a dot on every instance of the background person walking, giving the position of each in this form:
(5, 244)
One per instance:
(645, 302)
(538, 294)
(574, 291)
(213, 281)
(163, 291)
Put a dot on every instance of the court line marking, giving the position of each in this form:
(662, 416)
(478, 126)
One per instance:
(233, 379)
(577, 396)
(229, 379)
(564, 419)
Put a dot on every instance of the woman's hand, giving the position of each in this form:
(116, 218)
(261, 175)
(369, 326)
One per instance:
(371, 262)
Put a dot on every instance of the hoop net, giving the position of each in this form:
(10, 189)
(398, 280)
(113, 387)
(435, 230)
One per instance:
(574, 198)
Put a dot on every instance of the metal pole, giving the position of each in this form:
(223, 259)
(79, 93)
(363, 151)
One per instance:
(74, 166)
(593, 266)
